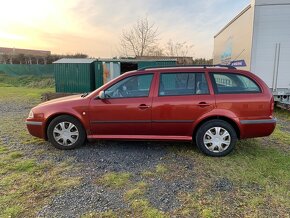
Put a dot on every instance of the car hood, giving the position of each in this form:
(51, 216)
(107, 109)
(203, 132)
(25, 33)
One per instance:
(62, 100)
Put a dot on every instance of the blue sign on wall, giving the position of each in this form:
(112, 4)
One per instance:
(238, 63)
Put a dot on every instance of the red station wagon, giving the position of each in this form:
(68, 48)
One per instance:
(212, 105)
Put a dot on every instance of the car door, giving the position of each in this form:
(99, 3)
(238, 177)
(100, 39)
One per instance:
(181, 99)
(126, 109)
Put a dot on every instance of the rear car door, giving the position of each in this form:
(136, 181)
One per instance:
(126, 110)
(182, 97)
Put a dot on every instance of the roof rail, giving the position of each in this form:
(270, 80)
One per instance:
(193, 65)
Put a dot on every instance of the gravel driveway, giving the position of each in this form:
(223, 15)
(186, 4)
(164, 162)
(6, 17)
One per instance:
(146, 179)
(98, 158)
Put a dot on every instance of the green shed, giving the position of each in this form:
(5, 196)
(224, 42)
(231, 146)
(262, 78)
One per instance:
(74, 75)
(77, 75)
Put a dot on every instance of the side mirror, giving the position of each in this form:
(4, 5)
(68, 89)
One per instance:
(101, 95)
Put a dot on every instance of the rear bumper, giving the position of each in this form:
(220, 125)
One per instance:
(257, 128)
(35, 128)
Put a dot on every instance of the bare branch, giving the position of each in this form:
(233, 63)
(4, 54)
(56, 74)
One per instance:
(139, 39)
(178, 49)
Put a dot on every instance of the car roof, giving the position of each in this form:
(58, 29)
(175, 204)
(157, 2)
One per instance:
(189, 68)
(218, 66)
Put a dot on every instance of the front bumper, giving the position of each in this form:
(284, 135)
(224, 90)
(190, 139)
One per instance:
(36, 128)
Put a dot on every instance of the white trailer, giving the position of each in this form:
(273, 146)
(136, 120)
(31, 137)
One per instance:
(258, 39)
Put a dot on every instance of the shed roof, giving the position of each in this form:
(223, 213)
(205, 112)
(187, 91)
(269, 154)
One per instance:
(75, 61)
(91, 60)
(135, 60)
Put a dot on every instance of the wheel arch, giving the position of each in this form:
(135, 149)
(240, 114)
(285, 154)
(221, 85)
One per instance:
(53, 116)
(217, 117)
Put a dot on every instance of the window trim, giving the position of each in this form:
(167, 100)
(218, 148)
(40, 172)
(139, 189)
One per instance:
(202, 72)
(150, 87)
(215, 88)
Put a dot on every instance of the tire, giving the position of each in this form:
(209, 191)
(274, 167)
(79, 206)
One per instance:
(216, 138)
(66, 132)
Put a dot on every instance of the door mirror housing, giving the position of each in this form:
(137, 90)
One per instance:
(101, 95)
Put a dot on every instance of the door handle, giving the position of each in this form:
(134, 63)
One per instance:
(143, 106)
(203, 104)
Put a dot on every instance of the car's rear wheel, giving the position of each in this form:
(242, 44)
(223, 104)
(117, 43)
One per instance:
(216, 138)
(66, 132)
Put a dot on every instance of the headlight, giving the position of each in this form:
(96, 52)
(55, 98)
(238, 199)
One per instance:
(31, 115)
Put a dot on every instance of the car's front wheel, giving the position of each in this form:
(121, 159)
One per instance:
(216, 138)
(66, 132)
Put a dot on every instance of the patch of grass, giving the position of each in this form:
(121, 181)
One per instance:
(282, 114)
(161, 169)
(142, 208)
(200, 204)
(26, 185)
(22, 94)
(281, 136)
(259, 176)
(15, 155)
(16, 121)
(12, 211)
(3, 149)
(207, 213)
(27, 81)
(115, 180)
(25, 166)
(136, 192)
(139, 206)
(147, 173)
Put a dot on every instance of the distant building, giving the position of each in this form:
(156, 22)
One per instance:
(23, 56)
(18, 51)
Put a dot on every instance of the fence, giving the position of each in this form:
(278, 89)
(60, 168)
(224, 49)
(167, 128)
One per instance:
(25, 70)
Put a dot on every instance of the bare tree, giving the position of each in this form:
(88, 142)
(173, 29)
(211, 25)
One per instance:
(139, 39)
(155, 51)
(178, 49)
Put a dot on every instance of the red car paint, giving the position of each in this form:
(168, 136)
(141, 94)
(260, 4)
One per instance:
(161, 117)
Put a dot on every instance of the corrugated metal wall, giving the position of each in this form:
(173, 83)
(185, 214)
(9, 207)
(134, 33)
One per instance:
(86, 77)
(27, 69)
(99, 77)
(74, 78)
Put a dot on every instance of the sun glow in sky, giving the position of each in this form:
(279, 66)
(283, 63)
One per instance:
(94, 26)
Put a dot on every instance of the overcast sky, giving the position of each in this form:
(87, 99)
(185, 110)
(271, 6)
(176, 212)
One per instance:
(94, 26)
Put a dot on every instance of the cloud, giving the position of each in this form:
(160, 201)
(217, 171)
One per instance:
(94, 26)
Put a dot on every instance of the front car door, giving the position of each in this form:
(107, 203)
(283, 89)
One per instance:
(181, 99)
(126, 110)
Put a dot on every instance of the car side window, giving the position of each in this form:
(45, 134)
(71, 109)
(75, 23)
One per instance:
(131, 87)
(173, 84)
(227, 83)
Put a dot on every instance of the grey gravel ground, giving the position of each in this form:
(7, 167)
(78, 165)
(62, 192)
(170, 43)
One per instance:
(186, 189)
(134, 157)
(97, 158)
